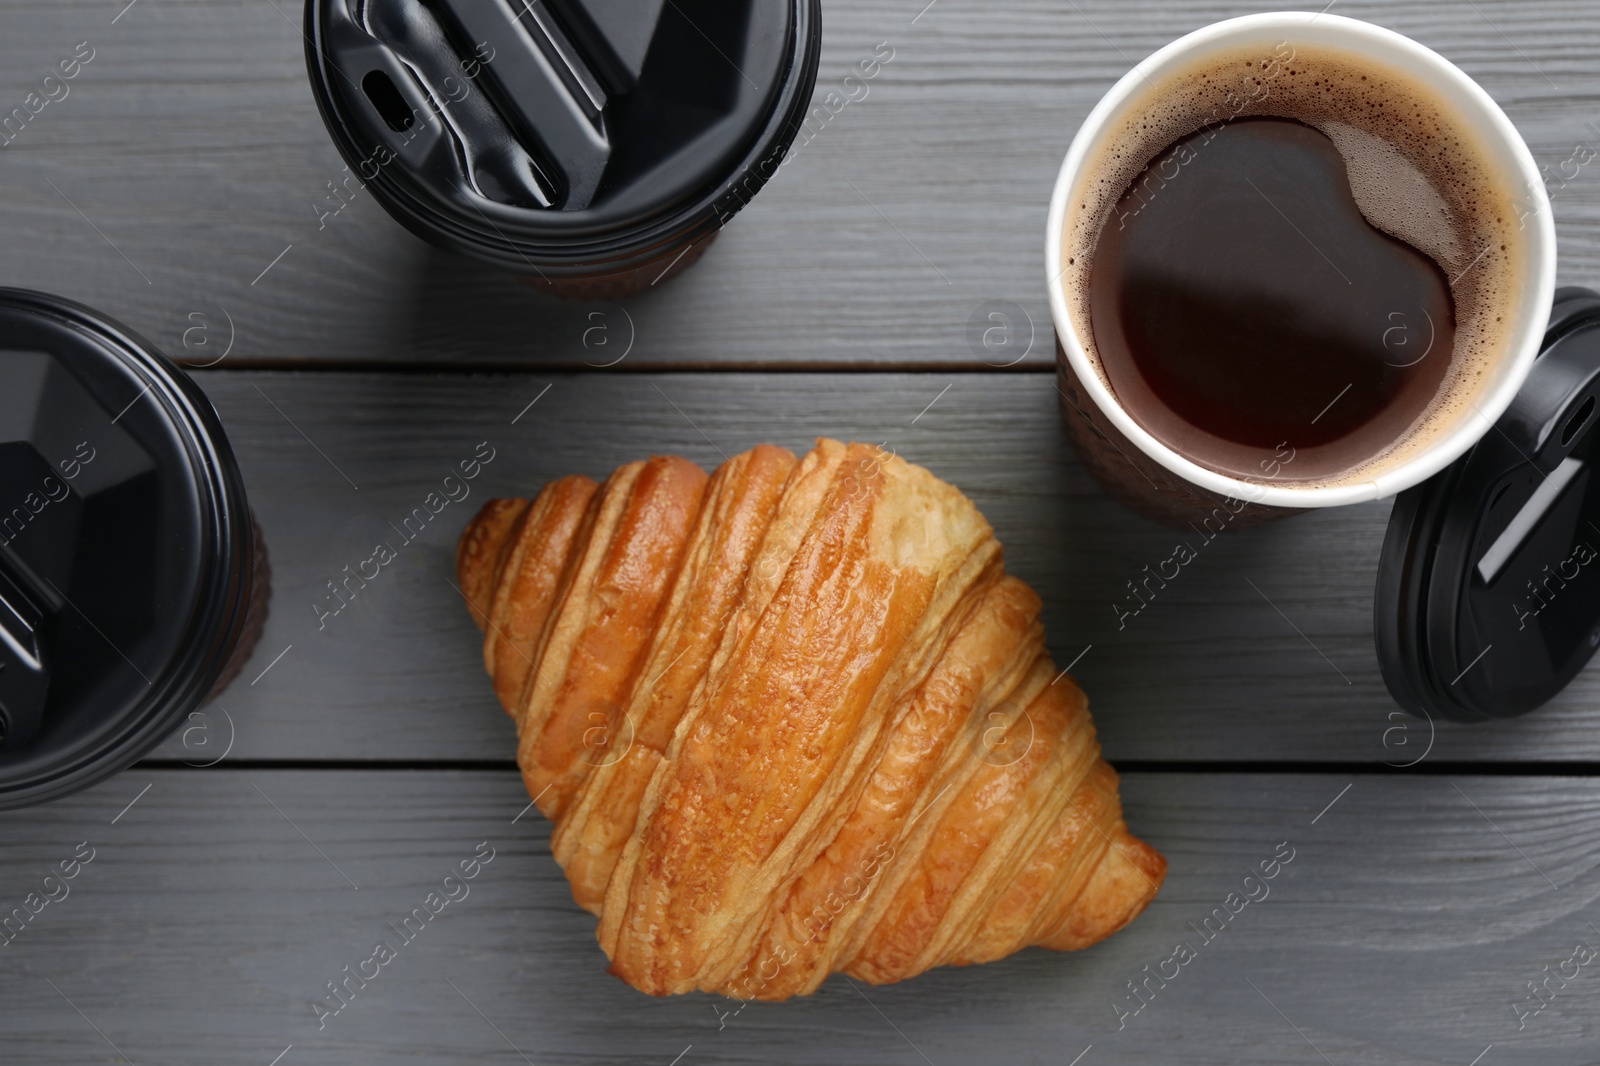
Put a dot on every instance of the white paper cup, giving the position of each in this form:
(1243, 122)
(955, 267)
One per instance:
(1527, 307)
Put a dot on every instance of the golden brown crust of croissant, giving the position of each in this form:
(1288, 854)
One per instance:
(794, 719)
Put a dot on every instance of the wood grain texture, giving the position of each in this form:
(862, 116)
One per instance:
(195, 155)
(1261, 649)
(1401, 931)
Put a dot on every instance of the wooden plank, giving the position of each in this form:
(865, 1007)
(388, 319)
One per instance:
(1209, 670)
(188, 157)
(1402, 930)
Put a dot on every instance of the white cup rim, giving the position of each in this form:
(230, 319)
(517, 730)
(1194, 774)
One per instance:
(1334, 30)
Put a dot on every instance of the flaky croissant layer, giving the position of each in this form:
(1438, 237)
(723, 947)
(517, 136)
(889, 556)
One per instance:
(794, 718)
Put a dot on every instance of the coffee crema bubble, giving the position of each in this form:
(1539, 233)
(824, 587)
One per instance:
(1235, 242)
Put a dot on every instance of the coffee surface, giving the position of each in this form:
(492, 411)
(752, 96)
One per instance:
(1245, 309)
(1278, 222)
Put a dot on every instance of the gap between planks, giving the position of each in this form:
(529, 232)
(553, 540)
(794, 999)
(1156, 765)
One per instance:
(536, 365)
(1263, 767)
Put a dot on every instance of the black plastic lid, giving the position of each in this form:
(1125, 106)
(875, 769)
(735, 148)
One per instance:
(562, 133)
(1488, 594)
(125, 547)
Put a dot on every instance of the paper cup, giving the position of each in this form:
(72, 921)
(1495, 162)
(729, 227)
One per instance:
(1171, 487)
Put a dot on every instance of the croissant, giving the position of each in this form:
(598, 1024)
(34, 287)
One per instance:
(794, 718)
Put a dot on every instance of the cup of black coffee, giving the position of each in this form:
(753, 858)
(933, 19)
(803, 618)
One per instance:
(594, 147)
(133, 582)
(1295, 261)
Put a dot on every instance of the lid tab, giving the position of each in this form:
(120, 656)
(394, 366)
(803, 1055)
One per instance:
(547, 86)
(619, 32)
(26, 608)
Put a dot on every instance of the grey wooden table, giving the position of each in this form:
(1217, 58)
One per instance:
(178, 187)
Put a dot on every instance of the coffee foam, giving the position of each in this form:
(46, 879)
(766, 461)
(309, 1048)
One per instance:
(1415, 169)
